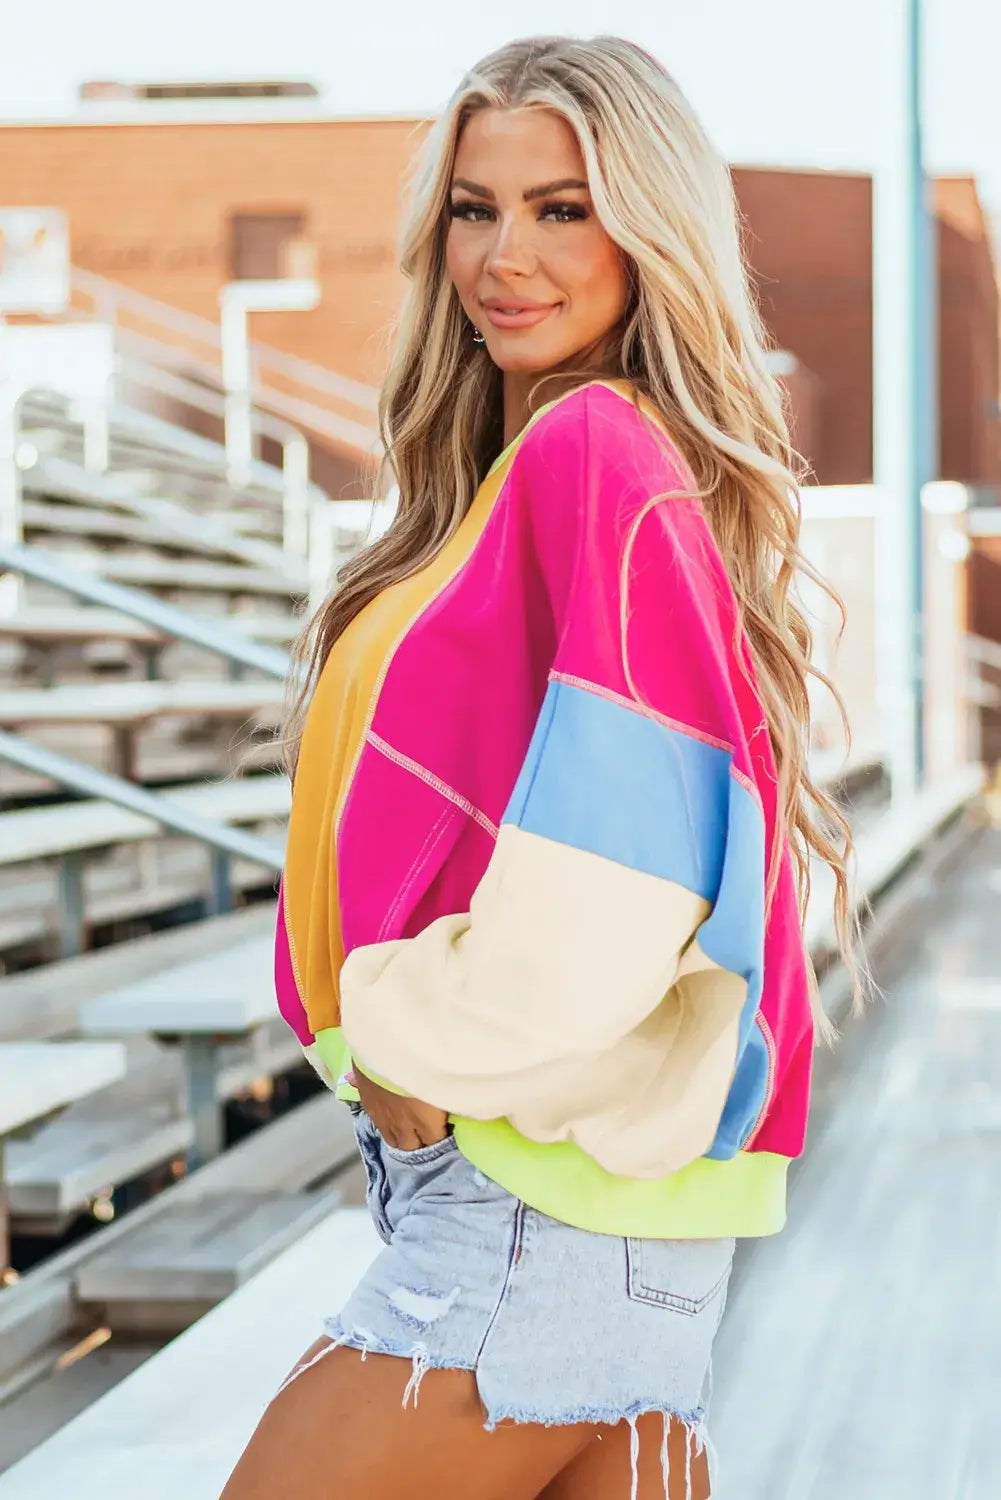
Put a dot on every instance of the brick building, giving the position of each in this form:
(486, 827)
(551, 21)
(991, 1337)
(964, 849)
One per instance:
(175, 206)
(809, 241)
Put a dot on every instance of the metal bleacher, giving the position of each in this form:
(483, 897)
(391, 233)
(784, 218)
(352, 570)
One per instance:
(150, 597)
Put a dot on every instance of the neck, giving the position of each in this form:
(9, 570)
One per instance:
(517, 408)
(518, 403)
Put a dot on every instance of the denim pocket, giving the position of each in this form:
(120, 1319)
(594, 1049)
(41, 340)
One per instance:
(682, 1275)
(421, 1155)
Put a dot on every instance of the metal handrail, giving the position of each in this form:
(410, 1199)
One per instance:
(103, 291)
(318, 420)
(266, 423)
(31, 562)
(80, 777)
(169, 382)
(108, 295)
(176, 442)
(304, 372)
(211, 530)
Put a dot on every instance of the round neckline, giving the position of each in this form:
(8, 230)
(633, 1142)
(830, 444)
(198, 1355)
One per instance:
(505, 453)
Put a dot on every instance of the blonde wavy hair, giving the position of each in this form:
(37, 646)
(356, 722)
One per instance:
(690, 342)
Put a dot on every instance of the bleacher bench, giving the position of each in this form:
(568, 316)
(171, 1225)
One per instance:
(66, 832)
(125, 1130)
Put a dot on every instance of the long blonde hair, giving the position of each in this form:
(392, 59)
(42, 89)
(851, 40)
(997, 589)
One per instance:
(691, 342)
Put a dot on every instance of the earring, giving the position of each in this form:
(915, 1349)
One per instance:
(478, 338)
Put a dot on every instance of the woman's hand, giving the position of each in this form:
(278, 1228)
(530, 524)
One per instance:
(404, 1123)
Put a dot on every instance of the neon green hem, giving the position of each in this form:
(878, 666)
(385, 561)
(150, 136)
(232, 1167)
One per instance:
(744, 1197)
(706, 1200)
(331, 1045)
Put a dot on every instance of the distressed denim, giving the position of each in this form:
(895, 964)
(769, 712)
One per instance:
(558, 1325)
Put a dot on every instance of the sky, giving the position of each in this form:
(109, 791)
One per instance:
(794, 82)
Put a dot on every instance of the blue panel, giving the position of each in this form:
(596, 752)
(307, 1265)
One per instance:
(746, 1096)
(604, 778)
(733, 934)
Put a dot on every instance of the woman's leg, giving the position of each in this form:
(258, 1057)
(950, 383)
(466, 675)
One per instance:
(603, 1469)
(340, 1428)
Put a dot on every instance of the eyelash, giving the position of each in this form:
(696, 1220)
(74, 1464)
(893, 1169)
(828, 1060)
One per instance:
(574, 212)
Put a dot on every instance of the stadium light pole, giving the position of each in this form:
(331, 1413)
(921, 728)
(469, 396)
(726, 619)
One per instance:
(905, 387)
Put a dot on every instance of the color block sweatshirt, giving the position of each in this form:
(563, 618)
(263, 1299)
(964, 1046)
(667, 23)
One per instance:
(530, 840)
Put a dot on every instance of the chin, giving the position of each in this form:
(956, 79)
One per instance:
(529, 361)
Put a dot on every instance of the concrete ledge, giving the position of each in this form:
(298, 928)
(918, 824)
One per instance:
(178, 1424)
(883, 850)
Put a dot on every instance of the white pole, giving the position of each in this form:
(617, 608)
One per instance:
(904, 389)
(96, 417)
(295, 508)
(236, 300)
(322, 527)
(236, 385)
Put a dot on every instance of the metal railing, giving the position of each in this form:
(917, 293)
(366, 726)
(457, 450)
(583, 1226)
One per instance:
(111, 300)
(165, 355)
(298, 492)
(30, 562)
(171, 336)
(223, 841)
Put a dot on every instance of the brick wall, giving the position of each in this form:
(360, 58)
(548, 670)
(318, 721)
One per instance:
(149, 206)
(808, 239)
(970, 436)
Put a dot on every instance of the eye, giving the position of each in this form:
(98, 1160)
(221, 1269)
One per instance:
(473, 213)
(564, 213)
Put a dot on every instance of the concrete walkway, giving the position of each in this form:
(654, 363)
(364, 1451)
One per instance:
(861, 1356)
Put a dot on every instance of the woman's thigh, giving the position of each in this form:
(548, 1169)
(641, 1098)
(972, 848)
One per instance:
(602, 1470)
(340, 1428)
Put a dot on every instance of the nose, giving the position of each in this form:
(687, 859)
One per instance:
(511, 252)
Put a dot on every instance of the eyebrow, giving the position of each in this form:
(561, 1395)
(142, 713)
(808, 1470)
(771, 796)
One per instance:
(544, 190)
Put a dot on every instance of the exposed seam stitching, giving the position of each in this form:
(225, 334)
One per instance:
(293, 960)
(638, 1289)
(506, 471)
(406, 628)
(770, 1048)
(643, 709)
(435, 782)
(746, 783)
(420, 860)
(513, 1256)
(646, 712)
(656, 1297)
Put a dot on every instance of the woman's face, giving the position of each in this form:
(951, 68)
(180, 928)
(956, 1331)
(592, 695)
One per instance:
(533, 267)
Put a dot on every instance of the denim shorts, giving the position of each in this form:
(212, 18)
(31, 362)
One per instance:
(558, 1325)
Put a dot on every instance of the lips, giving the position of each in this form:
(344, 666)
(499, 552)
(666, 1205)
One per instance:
(516, 314)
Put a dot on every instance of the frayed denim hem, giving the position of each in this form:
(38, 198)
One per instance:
(694, 1422)
(592, 1416)
(365, 1343)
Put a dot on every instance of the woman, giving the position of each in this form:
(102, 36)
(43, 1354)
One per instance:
(541, 914)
